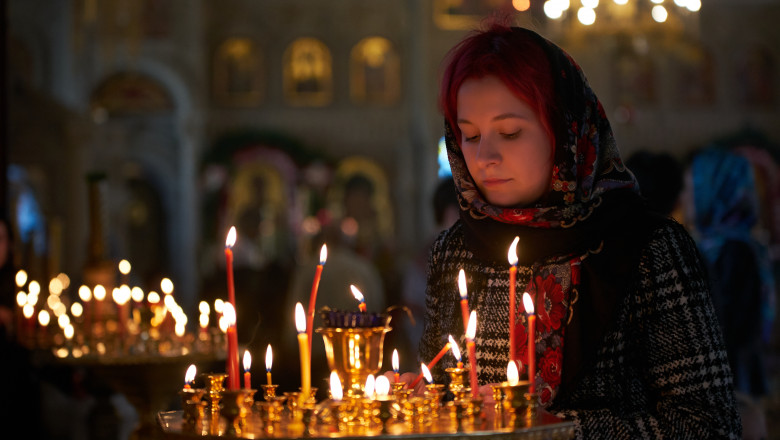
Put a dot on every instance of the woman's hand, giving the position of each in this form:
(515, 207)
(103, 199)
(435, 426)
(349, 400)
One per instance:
(407, 377)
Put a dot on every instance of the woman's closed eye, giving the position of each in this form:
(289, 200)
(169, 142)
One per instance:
(470, 138)
(513, 135)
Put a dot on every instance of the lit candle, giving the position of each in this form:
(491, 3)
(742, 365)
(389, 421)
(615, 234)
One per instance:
(189, 377)
(43, 320)
(426, 373)
(512, 375)
(336, 392)
(382, 388)
(464, 300)
(124, 268)
(358, 296)
(368, 389)
(269, 360)
(21, 301)
(396, 376)
(512, 256)
(456, 352)
(438, 356)
(229, 242)
(471, 332)
(247, 365)
(99, 293)
(229, 314)
(121, 296)
(205, 310)
(303, 347)
(529, 308)
(315, 285)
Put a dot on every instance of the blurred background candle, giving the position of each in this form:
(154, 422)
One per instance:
(529, 308)
(86, 295)
(247, 374)
(315, 285)
(303, 346)
(358, 296)
(382, 387)
(464, 300)
(269, 360)
(471, 332)
(512, 257)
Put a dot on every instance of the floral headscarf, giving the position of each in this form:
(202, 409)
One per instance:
(587, 162)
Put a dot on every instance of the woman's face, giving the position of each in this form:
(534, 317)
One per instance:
(507, 150)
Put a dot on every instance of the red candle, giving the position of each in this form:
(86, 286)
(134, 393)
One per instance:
(471, 333)
(512, 256)
(464, 301)
(436, 358)
(232, 346)
(315, 285)
(358, 296)
(529, 308)
(247, 365)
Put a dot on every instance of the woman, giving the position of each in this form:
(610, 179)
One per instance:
(627, 343)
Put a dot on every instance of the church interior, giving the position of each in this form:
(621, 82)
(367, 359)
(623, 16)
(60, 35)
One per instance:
(142, 130)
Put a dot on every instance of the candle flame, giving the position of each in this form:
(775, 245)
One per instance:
(229, 313)
(21, 278)
(323, 254)
(247, 360)
(512, 375)
(28, 311)
(21, 299)
(528, 303)
(395, 360)
(189, 376)
(223, 324)
(382, 387)
(471, 330)
(34, 287)
(153, 297)
(269, 358)
(231, 237)
(335, 386)
(204, 321)
(462, 284)
(124, 267)
(300, 318)
(512, 255)
(455, 348)
(356, 293)
(137, 294)
(203, 308)
(426, 373)
(99, 292)
(43, 318)
(76, 309)
(368, 390)
(69, 331)
(219, 305)
(166, 285)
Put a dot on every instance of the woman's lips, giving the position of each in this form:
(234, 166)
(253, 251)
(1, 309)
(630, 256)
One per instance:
(494, 182)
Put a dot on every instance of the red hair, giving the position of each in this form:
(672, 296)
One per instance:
(512, 55)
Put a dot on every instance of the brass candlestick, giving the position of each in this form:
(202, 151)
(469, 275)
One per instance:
(308, 416)
(354, 352)
(385, 413)
(498, 399)
(234, 410)
(458, 378)
(516, 403)
(269, 391)
(434, 392)
(214, 383)
(193, 415)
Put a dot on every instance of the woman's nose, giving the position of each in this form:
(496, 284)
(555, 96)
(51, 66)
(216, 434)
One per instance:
(488, 152)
